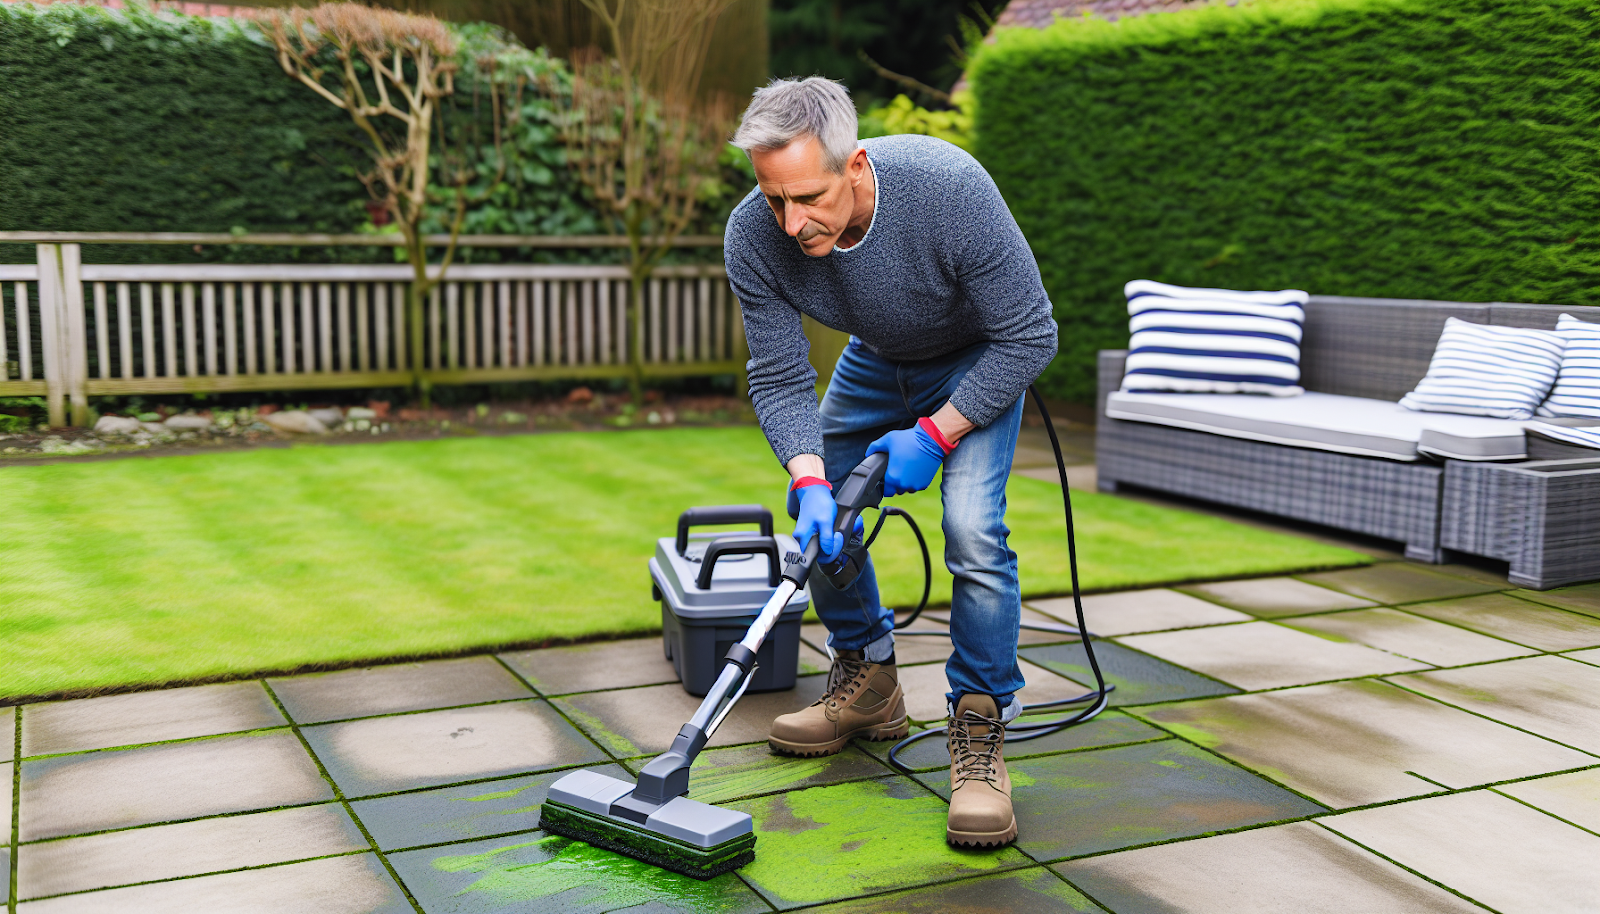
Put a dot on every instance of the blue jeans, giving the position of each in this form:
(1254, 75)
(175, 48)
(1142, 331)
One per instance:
(871, 396)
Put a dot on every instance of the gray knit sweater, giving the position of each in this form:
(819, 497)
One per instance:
(942, 267)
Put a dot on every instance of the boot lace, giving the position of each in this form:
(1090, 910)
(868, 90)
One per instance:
(844, 678)
(974, 756)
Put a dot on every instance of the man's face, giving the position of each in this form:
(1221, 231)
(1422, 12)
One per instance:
(812, 203)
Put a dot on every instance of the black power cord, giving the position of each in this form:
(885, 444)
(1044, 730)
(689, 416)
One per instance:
(1018, 731)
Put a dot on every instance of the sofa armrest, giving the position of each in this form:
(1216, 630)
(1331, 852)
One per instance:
(1111, 364)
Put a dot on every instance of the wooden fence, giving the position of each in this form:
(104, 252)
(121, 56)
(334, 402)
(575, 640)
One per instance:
(73, 330)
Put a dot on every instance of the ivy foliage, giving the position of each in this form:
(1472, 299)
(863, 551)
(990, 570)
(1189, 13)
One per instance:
(902, 115)
(1396, 148)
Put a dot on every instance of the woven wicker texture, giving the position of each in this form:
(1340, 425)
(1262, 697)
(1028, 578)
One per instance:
(1374, 347)
(1538, 317)
(1543, 517)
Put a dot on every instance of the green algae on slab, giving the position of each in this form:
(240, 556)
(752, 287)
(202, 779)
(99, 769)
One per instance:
(1104, 799)
(615, 743)
(1033, 891)
(720, 775)
(844, 840)
(1140, 679)
(549, 873)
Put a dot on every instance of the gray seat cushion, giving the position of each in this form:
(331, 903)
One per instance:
(1329, 422)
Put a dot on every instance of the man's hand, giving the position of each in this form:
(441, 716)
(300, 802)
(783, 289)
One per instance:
(812, 506)
(915, 455)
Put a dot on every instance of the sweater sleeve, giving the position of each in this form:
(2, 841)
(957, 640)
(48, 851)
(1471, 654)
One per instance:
(1001, 282)
(783, 385)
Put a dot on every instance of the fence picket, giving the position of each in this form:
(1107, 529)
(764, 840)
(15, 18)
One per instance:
(398, 301)
(5, 349)
(169, 330)
(208, 317)
(343, 293)
(538, 321)
(290, 345)
(102, 339)
(324, 328)
(307, 332)
(24, 331)
(230, 331)
(147, 327)
(503, 306)
(247, 307)
(435, 327)
(363, 340)
(520, 307)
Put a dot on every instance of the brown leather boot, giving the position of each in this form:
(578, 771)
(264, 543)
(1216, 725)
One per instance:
(863, 699)
(980, 788)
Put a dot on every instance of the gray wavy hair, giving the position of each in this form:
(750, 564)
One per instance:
(785, 110)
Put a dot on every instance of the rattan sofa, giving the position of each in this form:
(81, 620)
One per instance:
(1542, 516)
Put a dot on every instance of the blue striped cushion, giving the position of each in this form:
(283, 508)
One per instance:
(1583, 436)
(1214, 341)
(1479, 370)
(1577, 391)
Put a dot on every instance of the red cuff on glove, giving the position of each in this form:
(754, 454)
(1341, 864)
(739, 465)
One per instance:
(927, 425)
(804, 481)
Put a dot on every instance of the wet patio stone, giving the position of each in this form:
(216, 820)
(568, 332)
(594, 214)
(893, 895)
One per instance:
(384, 754)
(1551, 696)
(1111, 728)
(925, 688)
(1131, 611)
(336, 885)
(73, 794)
(721, 775)
(6, 779)
(1404, 582)
(391, 689)
(634, 722)
(1485, 846)
(1506, 617)
(1034, 891)
(592, 667)
(1402, 633)
(861, 838)
(1269, 598)
(185, 849)
(1264, 655)
(1574, 797)
(1353, 743)
(549, 873)
(146, 717)
(467, 812)
(1296, 867)
(1139, 678)
(1584, 598)
(1590, 656)
(1104, 799)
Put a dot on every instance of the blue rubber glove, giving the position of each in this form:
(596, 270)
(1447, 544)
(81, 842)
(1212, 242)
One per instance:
(812, 506)
(915, 455)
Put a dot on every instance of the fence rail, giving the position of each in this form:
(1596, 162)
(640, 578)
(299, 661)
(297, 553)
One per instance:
(73, 330)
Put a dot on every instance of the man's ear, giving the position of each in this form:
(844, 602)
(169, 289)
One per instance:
(856, 166)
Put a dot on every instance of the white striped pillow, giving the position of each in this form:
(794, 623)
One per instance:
(1213, 340)
(1577, 391)
(1479, 370)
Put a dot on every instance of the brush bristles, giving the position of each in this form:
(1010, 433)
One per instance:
(641, 844)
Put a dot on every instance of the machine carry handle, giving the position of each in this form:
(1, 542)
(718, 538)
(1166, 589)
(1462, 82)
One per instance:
(760, 545)
(722, 514)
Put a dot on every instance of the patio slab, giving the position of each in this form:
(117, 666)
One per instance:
(391, 689)
(925, 687)
(1584, 598)
(336, 885)
(1519, 621)
(1485, 846)
(1590, 656)
(1105, 799)
(1551, 696)
(1139, 678)
(467, 812)
(634, 722)
(1404, 582)
(1359, 742)
(1269, 598)
(185, 849)
(146, 717)
(8, 733)
(1296, 867)
(1402, 633)
(1125, 613)
(1574, 797)
(846, 840)
(384, 754)
(908, 649)
(721, 775)
(543, 873)
(1111, 728)
(591, 667)
(7, 776)
(73, 794)
(1035, 891)
(1264, 655)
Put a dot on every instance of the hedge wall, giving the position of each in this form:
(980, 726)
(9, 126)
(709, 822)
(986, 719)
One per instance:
(1442, 149)
(132, 121)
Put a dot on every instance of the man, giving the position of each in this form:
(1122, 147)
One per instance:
(905, 243)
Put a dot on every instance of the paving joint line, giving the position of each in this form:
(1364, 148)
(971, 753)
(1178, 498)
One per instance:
(1545, 811)
(549, 703)
(416, 711)
(288, 724)
(193, 876)
(1486, 717)
(233, 814)
(16, 810)
(1417, 873)
(338, 794)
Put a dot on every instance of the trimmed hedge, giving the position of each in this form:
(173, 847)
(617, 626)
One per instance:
(1443, 149)
(133, 121)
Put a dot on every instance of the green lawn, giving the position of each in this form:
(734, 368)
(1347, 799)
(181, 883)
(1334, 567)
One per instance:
(151, 570)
